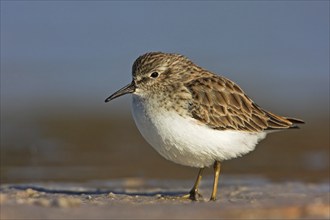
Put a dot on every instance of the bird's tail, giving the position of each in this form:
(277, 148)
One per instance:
(280, 122)
(295, 121)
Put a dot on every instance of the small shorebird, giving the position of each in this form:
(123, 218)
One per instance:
(194, 117)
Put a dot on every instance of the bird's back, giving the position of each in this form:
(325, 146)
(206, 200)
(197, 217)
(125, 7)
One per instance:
(222, 104)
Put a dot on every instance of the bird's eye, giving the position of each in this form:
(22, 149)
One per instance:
(154, 75)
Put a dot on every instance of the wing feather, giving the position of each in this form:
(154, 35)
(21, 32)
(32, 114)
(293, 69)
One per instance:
(221, 104)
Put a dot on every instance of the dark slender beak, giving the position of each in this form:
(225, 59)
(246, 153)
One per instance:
(130, 88)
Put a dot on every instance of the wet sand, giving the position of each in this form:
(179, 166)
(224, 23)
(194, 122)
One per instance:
(88, 167)
(238, 197)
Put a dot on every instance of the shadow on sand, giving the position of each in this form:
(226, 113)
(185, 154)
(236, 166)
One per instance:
(96, 191)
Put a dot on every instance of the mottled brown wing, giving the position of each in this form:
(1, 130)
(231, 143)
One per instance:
(221, 104)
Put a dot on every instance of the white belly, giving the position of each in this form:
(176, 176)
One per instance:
(185, 141)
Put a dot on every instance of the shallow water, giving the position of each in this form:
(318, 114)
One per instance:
(84, 147)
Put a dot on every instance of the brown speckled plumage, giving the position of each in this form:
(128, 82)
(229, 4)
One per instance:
(209, 98)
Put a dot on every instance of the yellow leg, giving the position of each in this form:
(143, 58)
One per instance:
(194, 191)
(193, 194)
(216, 167)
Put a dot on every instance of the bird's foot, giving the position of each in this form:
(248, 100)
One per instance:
(193, 195)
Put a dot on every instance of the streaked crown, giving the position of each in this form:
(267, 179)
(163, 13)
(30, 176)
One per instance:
(161, 69)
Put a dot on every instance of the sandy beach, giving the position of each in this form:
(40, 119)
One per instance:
(131, 198)
(94, 177)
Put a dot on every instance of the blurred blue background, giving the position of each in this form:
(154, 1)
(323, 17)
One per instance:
(79, 52)
(61, 57)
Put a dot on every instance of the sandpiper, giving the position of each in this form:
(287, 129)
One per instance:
(194, 117)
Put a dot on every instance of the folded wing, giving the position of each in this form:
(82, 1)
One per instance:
(221, 104)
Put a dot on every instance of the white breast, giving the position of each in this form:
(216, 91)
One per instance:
(186, 141)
